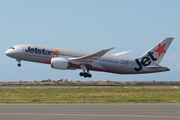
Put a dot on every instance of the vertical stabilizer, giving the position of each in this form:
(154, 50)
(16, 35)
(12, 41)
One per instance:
(158, 52)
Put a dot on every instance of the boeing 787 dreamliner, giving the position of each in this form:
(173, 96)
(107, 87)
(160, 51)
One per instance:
(65, 59)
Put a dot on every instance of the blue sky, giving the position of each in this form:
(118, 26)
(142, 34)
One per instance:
(90, 26)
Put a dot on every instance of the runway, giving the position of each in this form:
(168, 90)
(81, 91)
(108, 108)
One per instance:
(54, 86)
(91, 111)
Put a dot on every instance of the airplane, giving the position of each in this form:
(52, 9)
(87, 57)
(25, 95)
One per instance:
(66, 59)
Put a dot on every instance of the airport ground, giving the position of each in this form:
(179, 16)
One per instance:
(91, 111)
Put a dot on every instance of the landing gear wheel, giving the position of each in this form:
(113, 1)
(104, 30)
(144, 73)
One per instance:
(19, 64)
(81, 74)
(85, 75)
(89, 75)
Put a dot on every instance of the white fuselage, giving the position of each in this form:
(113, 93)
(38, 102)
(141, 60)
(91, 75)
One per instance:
(107, 63)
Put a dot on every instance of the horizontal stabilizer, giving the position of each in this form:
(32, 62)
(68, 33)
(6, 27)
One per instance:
(156, 66)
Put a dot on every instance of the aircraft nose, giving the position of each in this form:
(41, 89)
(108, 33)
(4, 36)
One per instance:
(8, 52)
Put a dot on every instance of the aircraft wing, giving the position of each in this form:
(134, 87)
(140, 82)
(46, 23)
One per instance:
(88, 59)
(121, 53)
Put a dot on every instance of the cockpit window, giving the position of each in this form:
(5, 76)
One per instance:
(12, 48)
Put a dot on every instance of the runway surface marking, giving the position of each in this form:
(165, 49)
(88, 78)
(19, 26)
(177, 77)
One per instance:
(94, 115)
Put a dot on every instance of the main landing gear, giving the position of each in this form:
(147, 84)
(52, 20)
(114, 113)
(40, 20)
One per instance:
(84, 73)
(19, 64)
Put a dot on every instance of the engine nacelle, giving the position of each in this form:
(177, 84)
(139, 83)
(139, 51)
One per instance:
(60, 63)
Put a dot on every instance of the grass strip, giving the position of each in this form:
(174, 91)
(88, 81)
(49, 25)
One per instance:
(90, 95)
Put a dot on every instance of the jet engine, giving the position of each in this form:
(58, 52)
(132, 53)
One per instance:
(60, 63)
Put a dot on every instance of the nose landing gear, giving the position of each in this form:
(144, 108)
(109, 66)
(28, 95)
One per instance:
(19, 64)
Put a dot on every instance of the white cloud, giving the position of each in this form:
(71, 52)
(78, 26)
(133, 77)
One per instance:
(172, 62)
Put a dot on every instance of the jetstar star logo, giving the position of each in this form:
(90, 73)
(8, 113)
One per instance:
(160, 49)
(56, 53)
